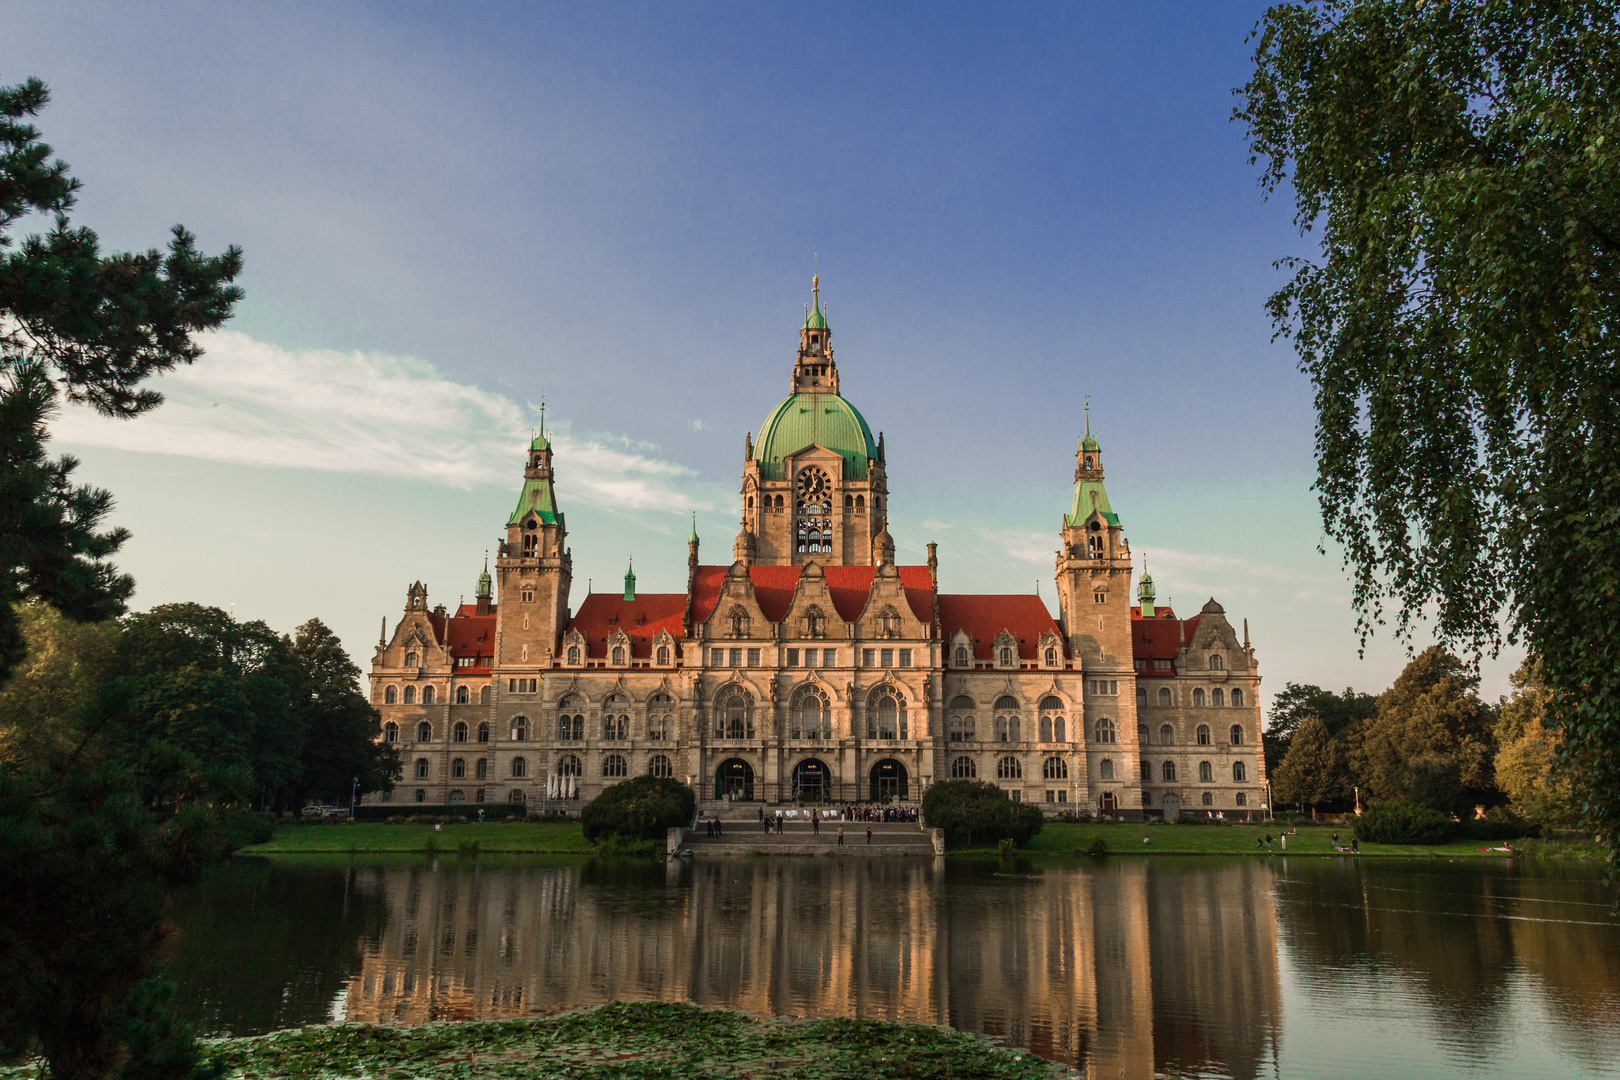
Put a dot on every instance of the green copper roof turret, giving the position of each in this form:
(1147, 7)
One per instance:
(814, 319)
(484, 580)
(630, 581)
(1088, 443)
(693, 538)
(825, 420)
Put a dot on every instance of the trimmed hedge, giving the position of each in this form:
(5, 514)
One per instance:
(1396, 822)
(974, 812)
(639, 809)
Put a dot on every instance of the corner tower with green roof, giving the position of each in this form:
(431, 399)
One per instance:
(533, 568)
(1094, 569)
(813, 486)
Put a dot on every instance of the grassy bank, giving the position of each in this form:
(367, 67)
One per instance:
(1057, 838)
(639, 1039)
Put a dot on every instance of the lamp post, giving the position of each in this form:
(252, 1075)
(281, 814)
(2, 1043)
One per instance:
(1358, 801)
(354, 797)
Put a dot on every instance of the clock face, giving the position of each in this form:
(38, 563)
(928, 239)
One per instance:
(813, 485)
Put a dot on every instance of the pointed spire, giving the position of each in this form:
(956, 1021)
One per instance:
(814, 318)
(630, 581)
(694, 537)
(382, 635)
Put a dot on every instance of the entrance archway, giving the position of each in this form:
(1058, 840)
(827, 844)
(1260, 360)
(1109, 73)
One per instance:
(734, 779)
(1172, 808)
(812, 780)
(889, 781)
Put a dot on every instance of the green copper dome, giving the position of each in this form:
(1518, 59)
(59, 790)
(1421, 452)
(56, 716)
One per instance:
(825, 420)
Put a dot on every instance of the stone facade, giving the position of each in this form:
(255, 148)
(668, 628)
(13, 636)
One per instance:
(814, 667)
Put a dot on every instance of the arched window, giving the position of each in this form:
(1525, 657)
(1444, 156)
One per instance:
(1240, 773)
(410, 695)
(520, 768)
(1106, 732)
(458, 769)
(734, 719)
(427, 695)
(483, 731)
(410, 660)
(886, 714)
(573, 654)
(1203, 735)
(391, 732)
(1007, 719)
(424, 732)
(959, 724)
(520, 728)
(1051, 657)
(1217, 698)
(1216, 662)
(1208, 798)
(1147, 776)
(1237, 734)
(1141, 735)
(1198, 697)
(1141, 697)
(660, 717)
(962, 769)
(663, 655)
(1006, 656)
(482, 768)
(616, 719)
(614, 765)
(1054, 768)
(659, 766)
(458, 733)
(1052, 722)
(618, 656)
(1167, 735)
(1237, 697)
(568, 765)
(961, 657)
(1105, 769)
(1168, 771)
(463, 695)
(860, 504)
(1206, 772)
(1164, 696)
(421, 768)
(390, 695)
(810, 716)
(1008, 768)
(571, 720)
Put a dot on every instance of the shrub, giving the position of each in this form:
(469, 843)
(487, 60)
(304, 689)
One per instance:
(1098, 848)
(1397, 822)
(1498, 824)
(972, 811)
(240, 827)
(639, 809)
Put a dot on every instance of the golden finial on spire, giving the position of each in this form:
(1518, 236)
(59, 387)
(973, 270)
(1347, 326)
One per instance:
(815, 283)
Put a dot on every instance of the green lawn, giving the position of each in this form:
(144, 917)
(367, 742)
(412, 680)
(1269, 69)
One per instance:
(1061, 837)
(522, 836)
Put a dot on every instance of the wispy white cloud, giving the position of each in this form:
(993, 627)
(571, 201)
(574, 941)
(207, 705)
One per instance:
(250, 403)
(1019, 545)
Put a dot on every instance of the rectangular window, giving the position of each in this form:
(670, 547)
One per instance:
(793, 658)
(717, 658)
(1242, 799)
(905, 657)
(1015, 795)
(1113, 687)
(1161, 665)
(753, 658)
(888, 657)
(1051, 796)
(1063, 796)
(829, 657)
(534, 686)
(479, 797)
(809, 658)
(1093, 686)
(1139, 665)
(736, 658)
(868, 658)
(511, 686)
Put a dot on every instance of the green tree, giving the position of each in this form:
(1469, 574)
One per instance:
(220, 690)
(1296, 701)
(1528, 769)
(66, 662)
(1313, 772)
(1460, 161)
(338, 725)
(976, 812)
(1430, 740)
(89, 326)
(641, 808)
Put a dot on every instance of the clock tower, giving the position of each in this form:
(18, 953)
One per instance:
(814, 486)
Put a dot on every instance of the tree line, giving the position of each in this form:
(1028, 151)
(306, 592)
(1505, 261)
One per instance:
(1429, 740)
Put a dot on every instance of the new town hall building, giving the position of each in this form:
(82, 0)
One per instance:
(811, 666)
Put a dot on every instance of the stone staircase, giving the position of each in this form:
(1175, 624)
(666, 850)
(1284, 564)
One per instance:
(743, 835)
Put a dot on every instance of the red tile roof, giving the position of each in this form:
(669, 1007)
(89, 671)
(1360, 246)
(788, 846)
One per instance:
(849, 586)
(603, 613)
(467, 634)
(984, 616)
(1158, 638)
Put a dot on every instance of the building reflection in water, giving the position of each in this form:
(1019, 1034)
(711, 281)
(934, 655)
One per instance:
(1116, 967)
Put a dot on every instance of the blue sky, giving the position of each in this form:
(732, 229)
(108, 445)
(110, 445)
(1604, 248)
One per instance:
(451, 210)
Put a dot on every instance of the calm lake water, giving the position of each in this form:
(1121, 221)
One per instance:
(1210, 967)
